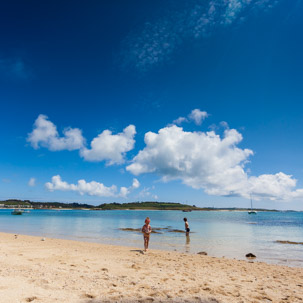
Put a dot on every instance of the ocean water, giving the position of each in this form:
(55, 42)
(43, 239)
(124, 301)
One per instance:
(219, 233)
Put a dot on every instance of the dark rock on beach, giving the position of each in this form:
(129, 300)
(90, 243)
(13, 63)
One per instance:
(202, 253)
(250, 256)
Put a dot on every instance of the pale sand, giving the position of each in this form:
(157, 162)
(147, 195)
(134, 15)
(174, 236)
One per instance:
(54, 270)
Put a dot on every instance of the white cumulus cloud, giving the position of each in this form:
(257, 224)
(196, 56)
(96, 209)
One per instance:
(45, 134)
(206, 160)
(197, 116)
(277, 186)
(109, 147)
(92, 188)
(125, 191)
(136, 183)
(105, 147)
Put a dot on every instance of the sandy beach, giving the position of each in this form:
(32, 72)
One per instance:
(33, 270)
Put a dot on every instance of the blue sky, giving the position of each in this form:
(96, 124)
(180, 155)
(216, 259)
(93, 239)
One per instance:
(197, 102)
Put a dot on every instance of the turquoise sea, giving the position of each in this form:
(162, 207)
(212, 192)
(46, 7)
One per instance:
(219, 233)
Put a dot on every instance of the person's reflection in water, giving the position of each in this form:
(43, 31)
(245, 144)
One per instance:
(187, 243)
(187, 230)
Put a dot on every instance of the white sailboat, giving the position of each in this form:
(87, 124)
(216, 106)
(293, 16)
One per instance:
(251, 211)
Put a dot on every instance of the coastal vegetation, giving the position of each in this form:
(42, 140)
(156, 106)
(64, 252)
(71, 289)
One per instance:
(104, 206)
(147, 205)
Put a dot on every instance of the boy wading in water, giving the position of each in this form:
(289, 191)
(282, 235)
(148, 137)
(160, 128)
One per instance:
(186, 226)
(146, 229)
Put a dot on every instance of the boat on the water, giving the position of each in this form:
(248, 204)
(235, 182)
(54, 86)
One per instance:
(251, 211)
(17, 212)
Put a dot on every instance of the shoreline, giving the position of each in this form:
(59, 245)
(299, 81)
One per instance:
(273, 251)
(155, 247)
(56, 270)
(155, 209)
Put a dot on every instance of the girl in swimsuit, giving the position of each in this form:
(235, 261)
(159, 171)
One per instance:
(146, 230)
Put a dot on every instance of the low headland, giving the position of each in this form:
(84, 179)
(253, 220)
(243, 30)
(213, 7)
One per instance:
(147, 205)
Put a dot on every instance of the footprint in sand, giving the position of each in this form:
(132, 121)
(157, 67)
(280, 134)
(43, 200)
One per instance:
(90, 296)
(30, 299)
(134, 266)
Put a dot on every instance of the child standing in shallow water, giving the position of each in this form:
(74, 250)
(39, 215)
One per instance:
(187, 230)
(146, 229)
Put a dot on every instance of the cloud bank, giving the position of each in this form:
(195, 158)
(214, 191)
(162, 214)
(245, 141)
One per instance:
(105, 147)
(204, 160)
(201, 160)
(158, 40)
(92, 188)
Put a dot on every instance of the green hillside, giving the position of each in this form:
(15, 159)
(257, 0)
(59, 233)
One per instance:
(148, 205)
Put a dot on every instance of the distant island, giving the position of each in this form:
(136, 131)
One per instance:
(148, 205)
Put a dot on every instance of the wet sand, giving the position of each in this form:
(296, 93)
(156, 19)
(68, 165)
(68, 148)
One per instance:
(32, 270)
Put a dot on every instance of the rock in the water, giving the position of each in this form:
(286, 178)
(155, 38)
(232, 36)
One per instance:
(289, 242)
(139, 230)
(203, 253)
(176, 231)
(250, 255)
